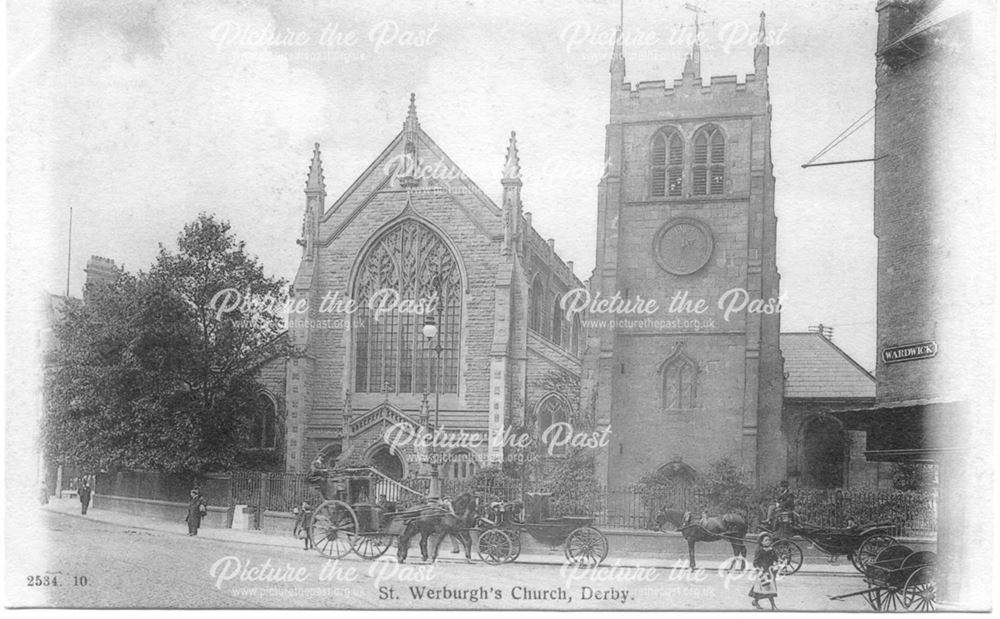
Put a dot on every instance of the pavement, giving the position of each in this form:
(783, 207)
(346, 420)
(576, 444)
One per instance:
(707, 559)
(57, 558)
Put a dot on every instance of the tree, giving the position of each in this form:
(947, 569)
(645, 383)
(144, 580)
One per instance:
(150, 374)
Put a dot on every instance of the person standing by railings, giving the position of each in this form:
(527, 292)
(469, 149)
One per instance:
(84, 493)
(197, 509)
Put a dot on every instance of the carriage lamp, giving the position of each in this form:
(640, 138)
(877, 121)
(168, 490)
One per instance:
(430, 329)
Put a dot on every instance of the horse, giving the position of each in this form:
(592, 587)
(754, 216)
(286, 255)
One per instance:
(442, 521)
(730, 527)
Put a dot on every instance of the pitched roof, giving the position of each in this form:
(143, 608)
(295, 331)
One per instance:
(816, 368)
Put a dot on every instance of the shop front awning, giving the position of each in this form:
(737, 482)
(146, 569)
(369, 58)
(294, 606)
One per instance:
(918, 430)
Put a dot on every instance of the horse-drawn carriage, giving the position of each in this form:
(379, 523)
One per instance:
(505, 521)
(348, 521)
(859, 543)
(899, 579)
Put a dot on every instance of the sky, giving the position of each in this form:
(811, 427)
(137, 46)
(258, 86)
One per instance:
(139, 115)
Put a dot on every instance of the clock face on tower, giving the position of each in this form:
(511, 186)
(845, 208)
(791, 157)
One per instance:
(683, 246)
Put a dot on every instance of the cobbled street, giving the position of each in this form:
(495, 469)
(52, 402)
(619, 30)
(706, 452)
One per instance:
(96, 564)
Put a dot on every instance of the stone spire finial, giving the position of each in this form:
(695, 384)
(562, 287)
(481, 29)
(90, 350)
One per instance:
(761, 55)
(618, 56)
(315, 182)
(512, 166)
(411, 124)
(692, 64)
(407, 175)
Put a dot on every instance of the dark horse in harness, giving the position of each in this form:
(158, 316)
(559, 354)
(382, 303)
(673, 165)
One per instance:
(730, 527)
(441, 520)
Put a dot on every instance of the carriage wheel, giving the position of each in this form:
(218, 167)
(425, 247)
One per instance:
(371, 546)
(586, 546)
(515, 545)
(494, 546)
(333, 529)
(789, 557)
(870, 548)
(853, 556)
(920, 591)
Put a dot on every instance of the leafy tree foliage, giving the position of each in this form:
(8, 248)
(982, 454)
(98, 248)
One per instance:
(146, 373)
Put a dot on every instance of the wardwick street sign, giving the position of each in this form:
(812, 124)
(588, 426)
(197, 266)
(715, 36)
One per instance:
(909, 352)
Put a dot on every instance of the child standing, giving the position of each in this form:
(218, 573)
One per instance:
(765, 561)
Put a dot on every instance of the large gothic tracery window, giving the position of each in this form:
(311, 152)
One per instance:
(390, 352)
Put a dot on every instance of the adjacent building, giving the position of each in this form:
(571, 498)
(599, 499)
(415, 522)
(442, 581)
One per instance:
(935, 223)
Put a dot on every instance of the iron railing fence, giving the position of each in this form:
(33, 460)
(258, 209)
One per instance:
(913, 513)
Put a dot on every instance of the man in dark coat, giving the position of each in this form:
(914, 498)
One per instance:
(197, 508)
(84, 493)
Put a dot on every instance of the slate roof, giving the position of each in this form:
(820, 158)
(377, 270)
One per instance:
(816, 368)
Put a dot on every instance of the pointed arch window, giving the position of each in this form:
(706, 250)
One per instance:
(667, 163)
(264, 423)
(708, 171)
(390, 352)
(680, 380)
(557, 323)
(552, 408)
(575, 334)
(535, 305)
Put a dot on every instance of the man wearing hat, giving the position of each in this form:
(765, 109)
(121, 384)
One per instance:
(197, 508)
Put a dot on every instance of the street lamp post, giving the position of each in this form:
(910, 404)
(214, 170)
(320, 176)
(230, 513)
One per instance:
(432, 331)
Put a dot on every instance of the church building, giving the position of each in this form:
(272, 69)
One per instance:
(686, 213)
(411, 229)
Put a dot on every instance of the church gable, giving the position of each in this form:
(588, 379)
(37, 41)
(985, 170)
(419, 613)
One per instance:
(412, 169)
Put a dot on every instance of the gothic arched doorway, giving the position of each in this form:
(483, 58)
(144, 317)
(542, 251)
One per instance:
(824, 449)
(389, 464)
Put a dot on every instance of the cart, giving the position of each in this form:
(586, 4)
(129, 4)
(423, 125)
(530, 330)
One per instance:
(501, 529)
(861, 543)
(347, 521)
(900, 579)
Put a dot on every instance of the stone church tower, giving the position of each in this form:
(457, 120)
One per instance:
(686, 212)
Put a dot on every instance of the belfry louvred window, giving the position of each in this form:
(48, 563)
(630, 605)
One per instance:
(667, 164)
(390, 352)
(708, 171)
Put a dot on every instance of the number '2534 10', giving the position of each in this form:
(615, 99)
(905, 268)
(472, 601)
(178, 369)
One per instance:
(52, 581)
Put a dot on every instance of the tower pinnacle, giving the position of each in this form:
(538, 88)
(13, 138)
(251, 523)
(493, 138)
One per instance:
(692, 64)
(315, 182)
(618, 58)
(512, 166)
(761, 55)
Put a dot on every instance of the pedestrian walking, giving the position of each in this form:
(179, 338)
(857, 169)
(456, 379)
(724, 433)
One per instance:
(197, 509)
(766, 559)
(84, 493)
(43, 493)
